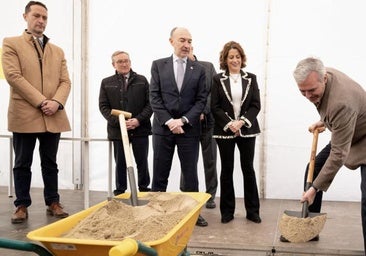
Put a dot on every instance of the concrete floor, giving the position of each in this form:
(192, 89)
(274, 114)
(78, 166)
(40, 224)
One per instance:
(341, 235)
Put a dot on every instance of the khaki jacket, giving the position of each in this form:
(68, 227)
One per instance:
(30, 84)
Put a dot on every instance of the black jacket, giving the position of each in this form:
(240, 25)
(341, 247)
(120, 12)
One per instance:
(135, 100)
(222, 107)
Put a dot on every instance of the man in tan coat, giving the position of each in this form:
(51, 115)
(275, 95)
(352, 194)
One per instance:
(39, 87)
(341, 104)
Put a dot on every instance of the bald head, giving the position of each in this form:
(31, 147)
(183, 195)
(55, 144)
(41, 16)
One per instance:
(181, 40)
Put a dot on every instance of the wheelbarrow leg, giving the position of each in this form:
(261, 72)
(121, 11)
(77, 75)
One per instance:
(185, 252)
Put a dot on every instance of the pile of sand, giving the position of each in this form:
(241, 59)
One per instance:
(117, 220)
(299, 230)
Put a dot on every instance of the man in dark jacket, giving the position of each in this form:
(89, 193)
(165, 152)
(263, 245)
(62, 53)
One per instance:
(128, 91)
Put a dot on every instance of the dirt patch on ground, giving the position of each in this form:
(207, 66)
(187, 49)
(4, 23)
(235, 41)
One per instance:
(117, 220)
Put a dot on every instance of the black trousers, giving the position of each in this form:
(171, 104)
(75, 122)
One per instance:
(209, 156)
(24, 144)
(140, 148)
(187, 148)
(363, 203)
(227, 198)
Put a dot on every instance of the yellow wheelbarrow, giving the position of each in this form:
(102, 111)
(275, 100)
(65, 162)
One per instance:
(174, 243)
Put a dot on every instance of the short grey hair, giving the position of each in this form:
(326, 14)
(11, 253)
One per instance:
(306, 66)
(118, 53)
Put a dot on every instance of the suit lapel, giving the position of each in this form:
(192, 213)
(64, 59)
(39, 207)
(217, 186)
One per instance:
(225, 83)
(245, 83)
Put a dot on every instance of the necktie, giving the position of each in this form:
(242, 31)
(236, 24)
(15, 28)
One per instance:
(124, 83)
(40, 42)
(180, 73)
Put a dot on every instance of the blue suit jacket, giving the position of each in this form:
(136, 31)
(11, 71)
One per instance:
(167, 102)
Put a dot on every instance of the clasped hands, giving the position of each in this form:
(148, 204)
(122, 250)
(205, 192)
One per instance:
(49, 107)
(132, 123)
(235, 126)
(175, 126)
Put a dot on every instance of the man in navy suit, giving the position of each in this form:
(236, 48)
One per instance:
(177, 109)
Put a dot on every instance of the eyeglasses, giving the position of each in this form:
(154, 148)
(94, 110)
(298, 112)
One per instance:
(123, 61)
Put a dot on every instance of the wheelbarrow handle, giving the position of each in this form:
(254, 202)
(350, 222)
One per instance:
(129, 247)
(24, 246)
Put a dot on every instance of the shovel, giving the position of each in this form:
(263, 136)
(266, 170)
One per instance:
(134, 201)
(304, 226)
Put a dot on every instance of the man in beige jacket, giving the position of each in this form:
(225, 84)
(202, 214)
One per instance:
(39, 87)
(341, 104)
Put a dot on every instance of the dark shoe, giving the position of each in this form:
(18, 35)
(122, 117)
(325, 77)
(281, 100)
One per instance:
(118, 192)
(144, 189)
(315, 239)
(227, 219)
(201, 221)
(282, 239)
(55, 209)
(20, 215)
(255, 218)
(210, 204)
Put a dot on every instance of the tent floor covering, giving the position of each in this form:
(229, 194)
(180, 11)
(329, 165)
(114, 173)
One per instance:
(342, 233)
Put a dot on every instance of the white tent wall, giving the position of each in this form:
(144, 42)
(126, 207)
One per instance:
(298, 29)
(275, 35)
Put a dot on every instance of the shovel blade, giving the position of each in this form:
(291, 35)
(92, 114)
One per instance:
(298, 214)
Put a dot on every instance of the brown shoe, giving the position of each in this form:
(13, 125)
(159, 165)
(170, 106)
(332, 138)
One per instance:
(55, 209)
(20, 215)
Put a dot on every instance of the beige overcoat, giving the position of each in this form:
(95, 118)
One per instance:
(30, 84)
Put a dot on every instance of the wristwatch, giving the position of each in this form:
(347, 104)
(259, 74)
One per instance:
(184, 121)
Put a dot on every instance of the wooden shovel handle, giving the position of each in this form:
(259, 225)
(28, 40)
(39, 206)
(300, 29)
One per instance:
(313, 154)
(122, 116)
(309, 179)
(116, 112)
